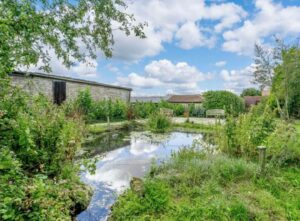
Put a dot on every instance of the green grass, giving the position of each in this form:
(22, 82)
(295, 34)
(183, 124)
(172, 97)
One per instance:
(103, 127)
(194, 127)
(195, 186)
(297, 126)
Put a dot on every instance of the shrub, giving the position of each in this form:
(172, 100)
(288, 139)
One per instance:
(226, 100)
(38, 174)
(178, 109)
(84, 101)
(240, 136)
(158, 122)
(284, 145)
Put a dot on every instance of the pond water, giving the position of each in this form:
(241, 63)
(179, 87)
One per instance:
(128, 155)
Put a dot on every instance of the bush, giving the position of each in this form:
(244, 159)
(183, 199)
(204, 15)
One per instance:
(38, 174)
(226, 100)
(241, 136)
(284, 145)
(98, 110)
(159, 123)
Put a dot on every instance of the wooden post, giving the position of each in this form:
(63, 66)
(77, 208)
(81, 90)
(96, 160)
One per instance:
(262, 158)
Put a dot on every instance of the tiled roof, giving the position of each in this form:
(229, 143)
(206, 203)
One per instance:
(185, 99)
(252, 100)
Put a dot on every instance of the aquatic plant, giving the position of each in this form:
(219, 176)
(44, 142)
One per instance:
(158, 122)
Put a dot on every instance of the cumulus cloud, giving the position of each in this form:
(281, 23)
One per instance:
(175, 19)
(180, 77)
(220, 63)
(237, 80)
(82, 69)
(113, 68)
(270, 19)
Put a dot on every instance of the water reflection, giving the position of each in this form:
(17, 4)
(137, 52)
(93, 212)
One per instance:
(117, 167)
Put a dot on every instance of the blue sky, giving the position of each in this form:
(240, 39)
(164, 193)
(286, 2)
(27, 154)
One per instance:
(191, 46)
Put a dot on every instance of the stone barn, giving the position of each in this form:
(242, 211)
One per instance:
(59, 88)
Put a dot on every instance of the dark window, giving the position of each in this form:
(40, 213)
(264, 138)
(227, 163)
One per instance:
(59, 92)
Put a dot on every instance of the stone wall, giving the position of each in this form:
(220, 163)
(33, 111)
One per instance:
(35, 85)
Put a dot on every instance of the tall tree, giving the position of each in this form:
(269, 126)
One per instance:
(29, 28)
(278, 68)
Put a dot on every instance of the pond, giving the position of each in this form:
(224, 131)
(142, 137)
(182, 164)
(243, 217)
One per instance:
(128, 154)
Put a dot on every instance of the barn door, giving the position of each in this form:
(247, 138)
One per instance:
(59, 92)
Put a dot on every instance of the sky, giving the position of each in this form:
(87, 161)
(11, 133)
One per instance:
(192, 46)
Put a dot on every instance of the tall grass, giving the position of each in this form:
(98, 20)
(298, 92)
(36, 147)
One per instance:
(158, 123)
(197, 186)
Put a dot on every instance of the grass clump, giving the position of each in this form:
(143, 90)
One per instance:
(159, 123)
(213, 187)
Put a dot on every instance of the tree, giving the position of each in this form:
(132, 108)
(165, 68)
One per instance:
(265, 62)
(250, 92)
(264, 66)
(226, 100)
(287, 80)
(278, 69)
(74, 29)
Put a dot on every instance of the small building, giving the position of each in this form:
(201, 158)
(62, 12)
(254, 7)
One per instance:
(251, 100)
(59, 88)
(186, 99)
(152, 99)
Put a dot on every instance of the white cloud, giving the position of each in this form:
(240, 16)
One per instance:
(237, 80)
(190, 36)
(169, 19)
(82, 69)
(113, 68)
(270, 19)
(220, 63)
(179, 77)
(136, 80)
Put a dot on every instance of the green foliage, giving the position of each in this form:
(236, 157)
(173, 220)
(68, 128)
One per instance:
(84, 101)
(250, 92)
(241, 136)
(144, 109)
(284, 145)
(130, 206)
(214, 187)
(38, 174)
(159, 123)
(286, 82)
(27, 26)
(226, 100)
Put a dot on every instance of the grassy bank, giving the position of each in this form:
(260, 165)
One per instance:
(195, 186)
(195, 127)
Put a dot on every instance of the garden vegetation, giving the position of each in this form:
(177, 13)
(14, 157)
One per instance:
(225, 181)
(38, 172)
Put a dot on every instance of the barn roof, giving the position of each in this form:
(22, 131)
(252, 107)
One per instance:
(69, 79)
(185, 98)
(252, 100)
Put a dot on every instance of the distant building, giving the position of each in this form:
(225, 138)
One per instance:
(59, 88)
(153, 99)
(252, 100)
(185, 99)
